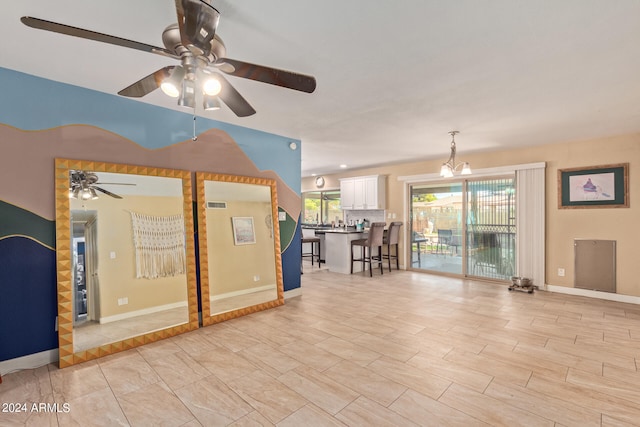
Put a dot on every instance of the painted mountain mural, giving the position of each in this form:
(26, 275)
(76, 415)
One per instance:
(27, 211)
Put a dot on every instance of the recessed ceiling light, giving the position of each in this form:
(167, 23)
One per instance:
(343, 166)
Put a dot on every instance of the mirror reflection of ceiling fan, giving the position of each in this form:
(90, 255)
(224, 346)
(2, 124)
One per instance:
(84, 184)
(192, 41)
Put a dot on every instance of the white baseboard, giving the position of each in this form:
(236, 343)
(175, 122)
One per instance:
(292, 293)
(593, 294)
(30, 361)
(242, 292)
(142, 312)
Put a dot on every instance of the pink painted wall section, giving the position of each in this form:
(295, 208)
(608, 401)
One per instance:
(27, 161)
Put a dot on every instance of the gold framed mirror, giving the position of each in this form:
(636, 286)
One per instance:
(239, 246)
(125, 257)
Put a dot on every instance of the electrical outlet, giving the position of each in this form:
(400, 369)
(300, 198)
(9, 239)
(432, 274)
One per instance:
(112, 255)
(123, 301)
(256, 278)
(561, 272)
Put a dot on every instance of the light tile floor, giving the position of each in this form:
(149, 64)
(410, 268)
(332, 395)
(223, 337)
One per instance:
(399, 349)
(90, 334)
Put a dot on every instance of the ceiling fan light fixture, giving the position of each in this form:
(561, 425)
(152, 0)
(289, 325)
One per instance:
(74, 192)
(210, 103)
(211, 86)
(171, 85)
(187, 96)
(86, 194)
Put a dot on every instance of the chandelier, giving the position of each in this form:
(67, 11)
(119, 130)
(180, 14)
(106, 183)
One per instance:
(449, 167)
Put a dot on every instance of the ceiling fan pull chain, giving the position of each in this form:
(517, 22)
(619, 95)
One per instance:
(195, 138)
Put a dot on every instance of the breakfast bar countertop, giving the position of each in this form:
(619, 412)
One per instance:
(341, 230)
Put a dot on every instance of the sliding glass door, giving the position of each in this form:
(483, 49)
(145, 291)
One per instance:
(491, 228)
(464, 228)
(437, 213)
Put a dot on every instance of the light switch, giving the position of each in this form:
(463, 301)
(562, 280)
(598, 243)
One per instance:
(112, 255)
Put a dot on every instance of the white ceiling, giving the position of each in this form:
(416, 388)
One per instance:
(393, 77)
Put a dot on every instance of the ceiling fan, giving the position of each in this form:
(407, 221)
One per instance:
(202, 55)
(83, 185)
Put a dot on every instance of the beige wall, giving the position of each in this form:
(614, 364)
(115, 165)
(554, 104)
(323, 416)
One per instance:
(563, 225)
(118, 276)
(233, 268)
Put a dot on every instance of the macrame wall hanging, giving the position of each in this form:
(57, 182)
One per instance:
(159, 243)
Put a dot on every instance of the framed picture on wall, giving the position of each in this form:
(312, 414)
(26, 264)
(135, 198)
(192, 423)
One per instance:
(243, 231)
(604, 186)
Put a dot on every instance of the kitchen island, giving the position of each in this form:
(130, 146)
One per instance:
(338, 249)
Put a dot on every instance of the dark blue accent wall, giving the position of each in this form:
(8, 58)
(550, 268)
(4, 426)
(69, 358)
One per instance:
(28, 301)
(291, 257)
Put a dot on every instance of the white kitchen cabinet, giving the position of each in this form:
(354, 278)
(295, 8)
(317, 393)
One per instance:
(347, 193)
(363, 192)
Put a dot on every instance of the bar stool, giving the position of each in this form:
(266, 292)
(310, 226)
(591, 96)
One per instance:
(391, 240)
(376, 233)
(315, 244)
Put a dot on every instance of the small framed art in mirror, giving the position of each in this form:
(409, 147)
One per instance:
(239, 242)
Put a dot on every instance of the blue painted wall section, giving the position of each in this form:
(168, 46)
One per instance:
(51, 104)
(28, 304)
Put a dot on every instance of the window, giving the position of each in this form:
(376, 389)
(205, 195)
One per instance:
(321, 207)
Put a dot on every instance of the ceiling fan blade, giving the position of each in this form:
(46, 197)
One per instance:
(198, 21)
(147, 84)
(232, 98)
(108, 193)
(55, 27)
(274, 76)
